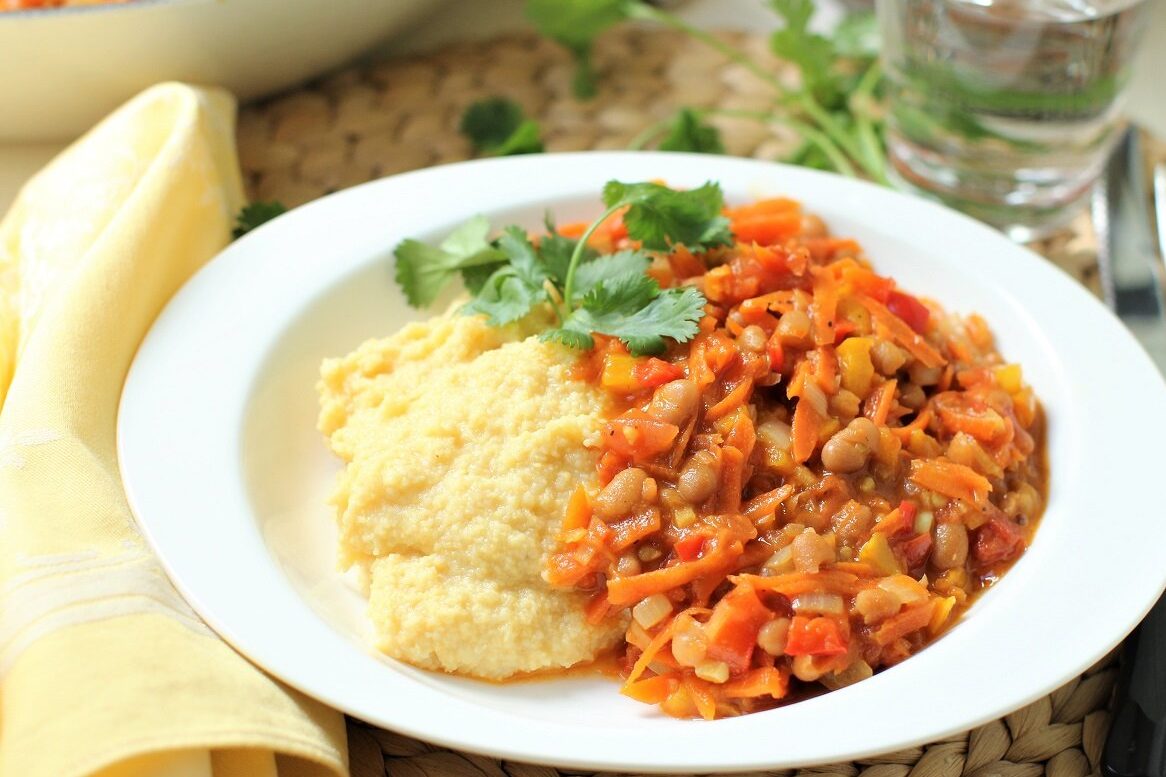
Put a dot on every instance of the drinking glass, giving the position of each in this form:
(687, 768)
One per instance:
(1006, 109)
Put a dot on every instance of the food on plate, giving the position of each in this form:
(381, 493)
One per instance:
(783, 473)
(462, 443)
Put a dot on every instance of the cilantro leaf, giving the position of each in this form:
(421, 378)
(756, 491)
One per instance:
(555, 252)
(254, 214)
(815, 56)
(635, 311)
(660, 217)
(857, 35)
(796, 13)
(576, 24)
(523, 258)
(497, 126)
(515, 287)
(689, 133)
(474, 278)
(423, 270)
(506, 296)
(608, 268)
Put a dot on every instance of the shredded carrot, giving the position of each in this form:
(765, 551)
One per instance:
(907, 337)
(950, 479)
(767, 229)
(766, 681)
(825, 307)
(764, 207)
(765, 504)
(795, 583)
(912, 618)
(702, 696)
(886, 399)
(651, 652)
(623, 591)
(598, 608)
(781, 301)
(737, 397)
(732, 479)
(919, 424)
(578, 511)
(827, 370)
(651, 690)
(804, 430)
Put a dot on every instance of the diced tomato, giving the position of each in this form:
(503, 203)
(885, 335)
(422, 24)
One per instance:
(653, 372)
(820, 636)
(688, 547)
(997, 540)
(842, 328)
(609, 464)
(639, 436)
(916, 550)
(733, 626)
(909, 511)
(913, 312)
(616, 229)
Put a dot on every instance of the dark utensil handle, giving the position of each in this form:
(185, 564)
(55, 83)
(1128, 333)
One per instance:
(1136, 746)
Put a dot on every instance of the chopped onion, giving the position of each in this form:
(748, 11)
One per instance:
(923, 521)
(856, 672)
(776, 435)
(812, 393)
(780, 562)
(903, 588)
(652, 610)
(818, 602)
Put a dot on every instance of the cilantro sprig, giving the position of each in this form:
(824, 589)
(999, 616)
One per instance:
(254, 214)
(589, 293)
(834, 109)
(498, 127)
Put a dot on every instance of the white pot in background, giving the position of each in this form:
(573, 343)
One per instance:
(62, 69)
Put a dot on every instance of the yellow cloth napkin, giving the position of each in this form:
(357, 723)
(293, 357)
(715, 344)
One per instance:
(104, 669)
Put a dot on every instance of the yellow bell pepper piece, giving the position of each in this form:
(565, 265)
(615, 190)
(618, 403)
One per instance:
(1009, 378)
(940, 614)
(878, 554)
(618, 375)
(855, 365)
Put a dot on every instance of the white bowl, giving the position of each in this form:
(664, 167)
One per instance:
(228, 476)
(63, 69)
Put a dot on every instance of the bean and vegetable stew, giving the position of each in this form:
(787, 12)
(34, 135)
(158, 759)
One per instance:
(810, 489)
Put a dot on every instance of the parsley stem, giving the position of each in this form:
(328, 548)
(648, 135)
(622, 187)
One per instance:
(812, 135)
(833, 135)
(832, 128)
(867, 137)
(639, 10)
(639, 141)
(577, 254)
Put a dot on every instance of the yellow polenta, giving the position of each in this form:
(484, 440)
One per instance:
(462, 443)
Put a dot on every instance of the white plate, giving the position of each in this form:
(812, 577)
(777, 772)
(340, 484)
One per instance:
(228, 476)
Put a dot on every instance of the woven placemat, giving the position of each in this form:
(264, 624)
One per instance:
(390, 117)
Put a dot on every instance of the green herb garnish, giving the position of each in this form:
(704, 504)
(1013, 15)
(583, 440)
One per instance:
(497, 126)
(424, 270)
(588, 293)
(576, 24)
(688, 133)
(833, 110)
(254, 214)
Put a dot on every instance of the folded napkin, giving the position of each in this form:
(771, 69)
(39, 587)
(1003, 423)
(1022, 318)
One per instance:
(104, 669)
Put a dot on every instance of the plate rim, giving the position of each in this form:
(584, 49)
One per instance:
(129, 455)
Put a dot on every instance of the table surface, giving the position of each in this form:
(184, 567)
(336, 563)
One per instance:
(472, 19)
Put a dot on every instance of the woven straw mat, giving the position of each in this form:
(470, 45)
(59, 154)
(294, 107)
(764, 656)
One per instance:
(389, 117)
